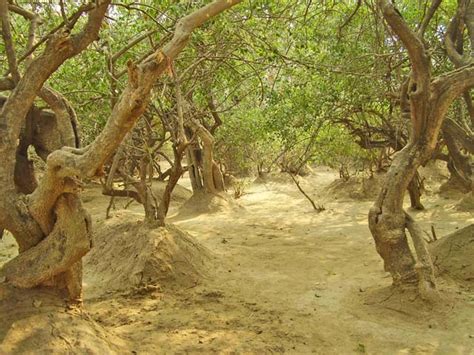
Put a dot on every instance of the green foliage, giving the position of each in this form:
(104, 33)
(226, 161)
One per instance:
(292, 80)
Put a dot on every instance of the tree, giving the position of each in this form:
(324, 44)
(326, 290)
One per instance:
(52, 229)
(456, 132)
(426, 99)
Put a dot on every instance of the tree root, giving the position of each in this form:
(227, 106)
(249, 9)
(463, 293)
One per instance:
(56, 259)
(424, 265)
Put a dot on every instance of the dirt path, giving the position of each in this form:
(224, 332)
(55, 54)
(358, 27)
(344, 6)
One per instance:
(287, 279)
(290, 280)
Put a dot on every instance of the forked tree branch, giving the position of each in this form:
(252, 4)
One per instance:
(65, 244)
(71, 21)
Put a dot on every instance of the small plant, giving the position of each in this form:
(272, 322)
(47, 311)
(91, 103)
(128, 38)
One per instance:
(239, 187)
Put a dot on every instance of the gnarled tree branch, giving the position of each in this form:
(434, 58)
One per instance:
(59, 48)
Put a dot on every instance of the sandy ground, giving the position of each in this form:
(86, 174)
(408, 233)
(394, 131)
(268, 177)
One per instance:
(287, 279)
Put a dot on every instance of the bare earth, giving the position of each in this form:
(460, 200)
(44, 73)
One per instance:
(285, 279)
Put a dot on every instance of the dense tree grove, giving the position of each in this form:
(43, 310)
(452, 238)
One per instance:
(126, 93)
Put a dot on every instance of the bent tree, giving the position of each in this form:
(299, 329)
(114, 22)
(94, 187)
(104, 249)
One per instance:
(428, 99)
(52, 229)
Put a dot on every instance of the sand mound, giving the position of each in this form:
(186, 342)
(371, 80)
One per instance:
(453, 255)
(396, 303)
(205, 203)
(300, 171)
(38, 322)
(434, 174)
(230, 180)
(453, 189)
(466, 204)
(276, 178)
(127, 254)
(180, 193)
(357, 188)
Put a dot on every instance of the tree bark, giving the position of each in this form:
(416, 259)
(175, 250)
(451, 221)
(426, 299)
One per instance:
(387, 220)
(459, 165)
(212, 178)
(414, 190)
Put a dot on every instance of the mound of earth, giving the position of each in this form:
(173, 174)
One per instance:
(38, 321)
(466, 204)
(453, 255)
(434, 174)
(453, 189)
(229, 180)
(301, 171)
(128, 255)
(205, 203)
(276, 178)
(180, 193)
(356, 188)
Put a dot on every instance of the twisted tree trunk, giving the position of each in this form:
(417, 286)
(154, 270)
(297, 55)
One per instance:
(429, 100)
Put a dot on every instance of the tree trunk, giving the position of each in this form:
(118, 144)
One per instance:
(459, 165)
(218, 177)
(193, 155)
(145, 192)
(387, 220)
(55, 261)
(414, 190)
(388, 223)
(212, 179)
(193, 167)
(426, 100)
(176, 172)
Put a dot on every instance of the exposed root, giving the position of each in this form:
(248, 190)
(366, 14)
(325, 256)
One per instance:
(424, 265)
(202, 203)
(58, 253)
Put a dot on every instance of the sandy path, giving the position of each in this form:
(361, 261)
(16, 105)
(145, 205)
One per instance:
(311, 270)
(287, 279)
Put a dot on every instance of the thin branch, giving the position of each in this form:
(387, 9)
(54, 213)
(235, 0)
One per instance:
(429, 15)
(351, 16)
(7, 38)
(131, 44)
(72, 20)
(63, 13)
(28, 15)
